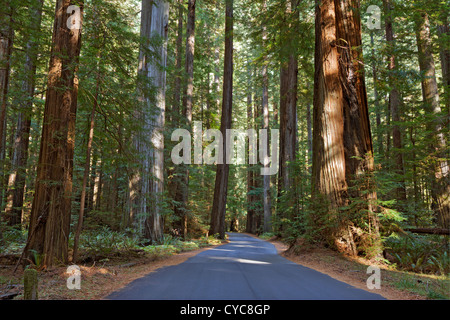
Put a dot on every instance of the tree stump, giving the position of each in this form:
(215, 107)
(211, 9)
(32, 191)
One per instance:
(30, 284)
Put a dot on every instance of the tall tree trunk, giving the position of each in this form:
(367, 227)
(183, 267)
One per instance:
(150, 178)
(258, 199)
(267, 207)
(217, 46)
(87, 166)
(183, 172)
(394, 105)
(328, 147)
(16, 181)
(50, 214)
(342, 140)
(175, 184)
(440, 184)
(288, 103)
(179, 59)
(250, 172)
(221, 184)
(288, 117)
(189, 62)
(6, 43)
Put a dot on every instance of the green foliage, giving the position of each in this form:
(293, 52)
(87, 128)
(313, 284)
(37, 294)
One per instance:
(267, 235)
(105, 242)
(434, 289)
(14, 234)
(425, 254)
(172, 246)
(13, 239)
(159, 251)
(441, 262)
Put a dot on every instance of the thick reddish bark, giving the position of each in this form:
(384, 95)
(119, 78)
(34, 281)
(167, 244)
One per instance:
(50, 215)
(288, 105)
(6, 43)
(182, 180)
(221, 184)
(288, 101)
(342, 140)
(328, 148)
(267, 205)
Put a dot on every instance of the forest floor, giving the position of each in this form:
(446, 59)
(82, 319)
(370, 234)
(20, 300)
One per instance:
(99, 279)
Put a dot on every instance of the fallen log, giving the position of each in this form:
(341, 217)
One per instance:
(440, 231)
(9, 296)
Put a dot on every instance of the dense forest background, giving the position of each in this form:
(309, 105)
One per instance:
(262, 58)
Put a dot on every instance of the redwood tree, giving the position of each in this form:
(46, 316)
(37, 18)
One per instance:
(267, 205)
(50, 214)
(182, 180)
(221, 184)
(342, 143)
(288, 106)
(288, 97)
(147, 184)
(6, 43)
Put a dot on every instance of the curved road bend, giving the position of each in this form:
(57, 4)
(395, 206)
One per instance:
(244, 269)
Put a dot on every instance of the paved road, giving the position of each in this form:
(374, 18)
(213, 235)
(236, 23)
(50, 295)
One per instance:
(244, 269)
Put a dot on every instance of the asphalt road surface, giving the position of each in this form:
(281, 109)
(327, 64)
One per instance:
(244, 269)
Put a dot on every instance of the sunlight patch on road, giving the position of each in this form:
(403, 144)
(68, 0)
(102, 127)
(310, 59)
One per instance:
(216, 249)
(239, 260)
(251, 261)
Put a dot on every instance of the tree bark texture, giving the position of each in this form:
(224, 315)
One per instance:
(267, 206)
(288, 101)
(222, 172)
(148, 183)
(342, 140)
(250, 172)
(440, 181)
(6, 44)
(50, 214)
(182, 189)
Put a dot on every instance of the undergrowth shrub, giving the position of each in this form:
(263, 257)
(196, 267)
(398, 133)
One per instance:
(13, 239)
(419, 253)
(105, 242)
